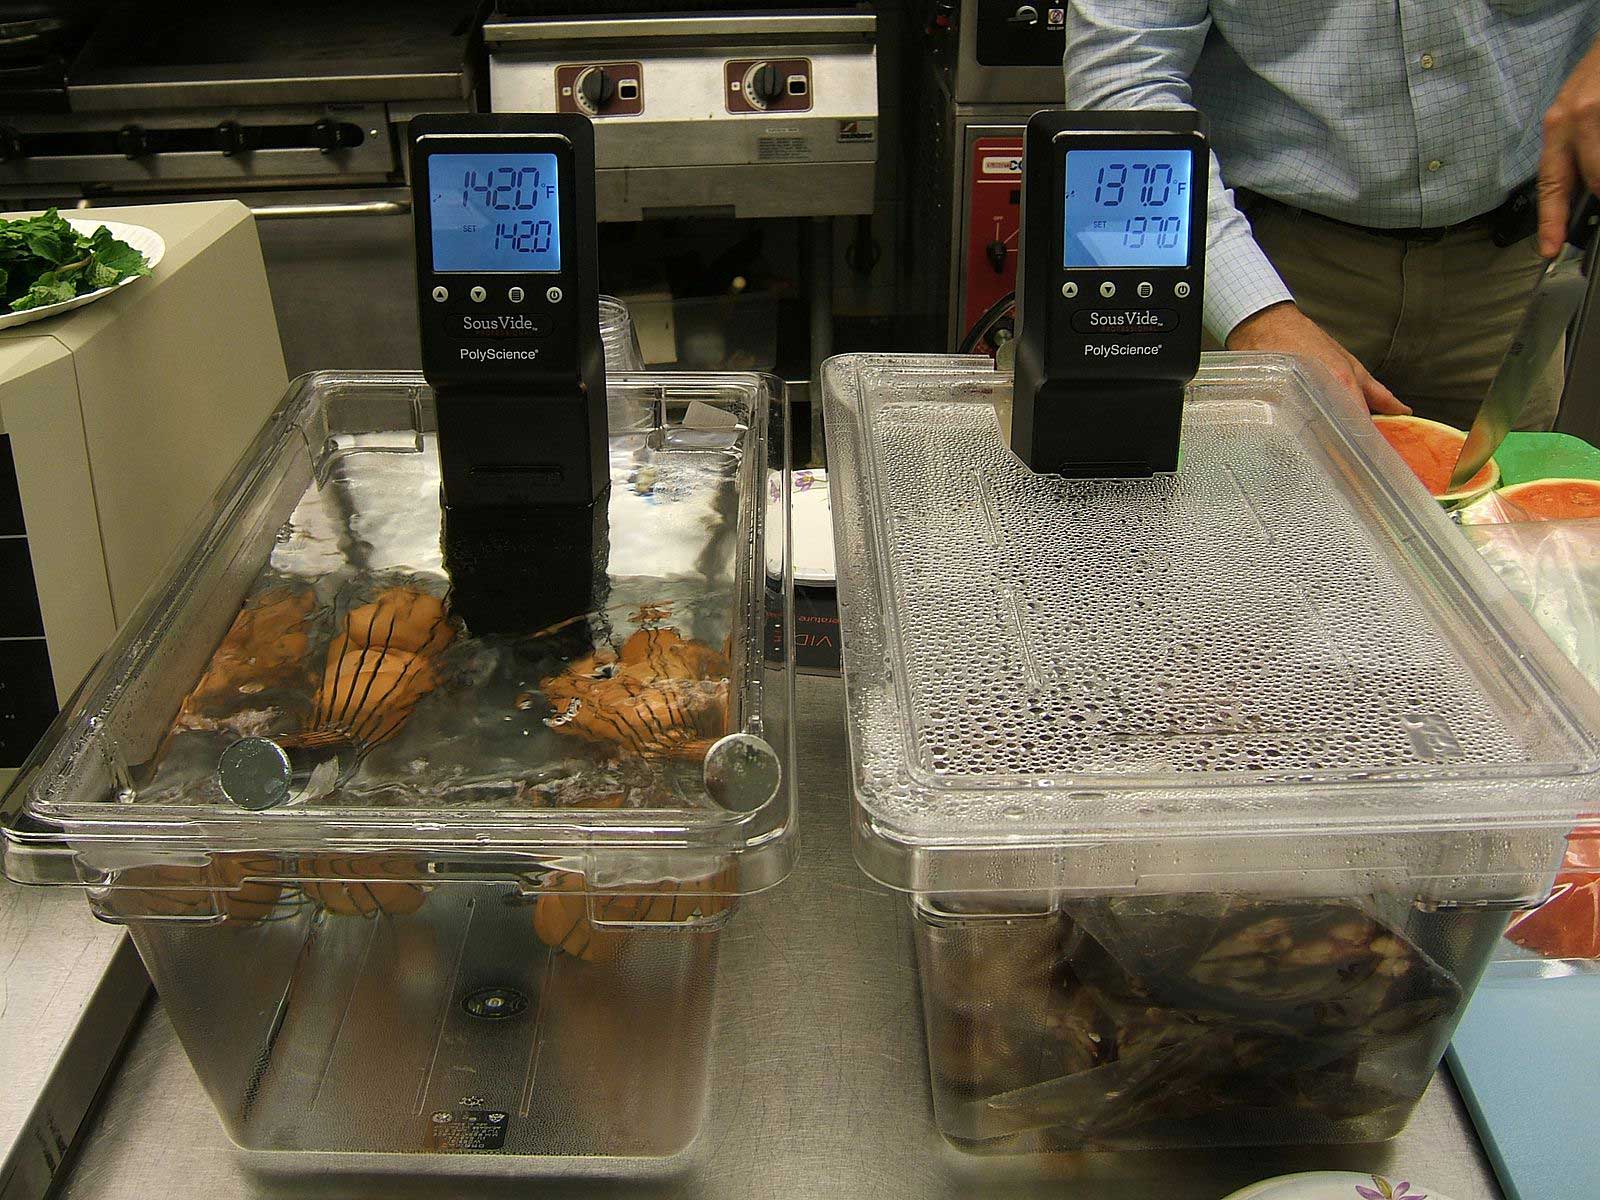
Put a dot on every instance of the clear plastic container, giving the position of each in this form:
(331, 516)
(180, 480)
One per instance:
(1212, 793)
(483, 916)
(619, 337)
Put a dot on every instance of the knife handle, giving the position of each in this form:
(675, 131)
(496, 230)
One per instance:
(1585, 216)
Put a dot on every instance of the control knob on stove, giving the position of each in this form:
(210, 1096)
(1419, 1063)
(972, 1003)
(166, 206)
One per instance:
(763, 84)
(133, 141)
(596, 89)
(232, 138)
(330, 136)
(10, 144)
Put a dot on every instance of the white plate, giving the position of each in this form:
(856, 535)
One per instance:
(146, 241)
(811, 517)
(1338, 1185)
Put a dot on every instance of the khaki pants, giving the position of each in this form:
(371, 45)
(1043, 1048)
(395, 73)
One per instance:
(1430, 319)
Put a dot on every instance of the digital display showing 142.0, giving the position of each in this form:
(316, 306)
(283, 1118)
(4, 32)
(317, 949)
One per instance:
(495, 212)
(1127, 208)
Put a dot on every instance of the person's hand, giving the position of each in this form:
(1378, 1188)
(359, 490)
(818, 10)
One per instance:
(1571, 154)
(1284, 329)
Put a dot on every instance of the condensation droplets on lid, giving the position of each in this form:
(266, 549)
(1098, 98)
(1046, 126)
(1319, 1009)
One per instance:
(1287, 635)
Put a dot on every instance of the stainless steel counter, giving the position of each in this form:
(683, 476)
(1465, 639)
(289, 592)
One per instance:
(70, 991)
(819, 1088)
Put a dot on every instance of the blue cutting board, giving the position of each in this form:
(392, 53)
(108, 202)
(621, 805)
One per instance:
(1526, 1058)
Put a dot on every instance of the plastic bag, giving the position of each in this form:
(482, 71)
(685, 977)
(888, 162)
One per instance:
(1126, 1014)
(1553, 569)
(1567, 925)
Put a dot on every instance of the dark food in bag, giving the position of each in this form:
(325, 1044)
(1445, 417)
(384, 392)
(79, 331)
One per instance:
(1126, 1012)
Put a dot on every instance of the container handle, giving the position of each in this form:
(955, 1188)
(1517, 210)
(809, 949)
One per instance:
(355, 208)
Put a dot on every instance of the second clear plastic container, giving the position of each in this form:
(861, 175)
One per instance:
(1212, 793)
(478, 910)
(619, 337)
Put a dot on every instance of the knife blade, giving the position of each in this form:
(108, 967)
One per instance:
(1551, 306)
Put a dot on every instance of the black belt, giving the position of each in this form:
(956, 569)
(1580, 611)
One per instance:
(1509, 222)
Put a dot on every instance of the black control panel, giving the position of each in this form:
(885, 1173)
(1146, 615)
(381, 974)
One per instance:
(508, 291)
(1016, 34)
(1109, 289)
(134, 141)
(507, 270)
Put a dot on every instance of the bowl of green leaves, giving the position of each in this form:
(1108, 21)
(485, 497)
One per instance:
(50, 263)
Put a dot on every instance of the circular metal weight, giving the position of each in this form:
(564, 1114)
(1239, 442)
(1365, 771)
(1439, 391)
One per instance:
(742, 772)
(254, 773)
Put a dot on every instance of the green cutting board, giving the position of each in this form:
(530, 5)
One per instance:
(1524, 457)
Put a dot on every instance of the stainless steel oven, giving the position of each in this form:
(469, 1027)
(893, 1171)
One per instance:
(298, 109)
(730, 140)
(986, 66)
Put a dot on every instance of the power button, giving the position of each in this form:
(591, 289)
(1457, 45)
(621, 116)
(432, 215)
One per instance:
(1181, 290)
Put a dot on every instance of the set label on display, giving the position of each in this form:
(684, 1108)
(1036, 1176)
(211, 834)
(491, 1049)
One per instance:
(495, 212)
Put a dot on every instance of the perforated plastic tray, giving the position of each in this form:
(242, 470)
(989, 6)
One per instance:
(1281, 667)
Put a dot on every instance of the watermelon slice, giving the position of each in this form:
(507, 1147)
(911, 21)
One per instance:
(1555, 499)
(1567, 925)
(1430, 450)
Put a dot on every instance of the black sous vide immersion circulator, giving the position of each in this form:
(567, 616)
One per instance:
(1109, 290)
(507, 290)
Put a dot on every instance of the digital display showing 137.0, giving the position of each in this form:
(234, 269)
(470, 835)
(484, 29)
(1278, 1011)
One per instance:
(1127, 208)
(495, 212)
